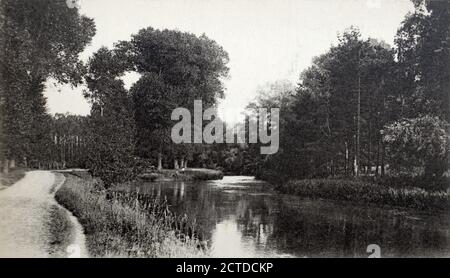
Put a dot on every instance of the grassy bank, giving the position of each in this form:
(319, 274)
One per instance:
(12, 177)
(118, 226)
(364, 192)
(191, 174)
(60, 232)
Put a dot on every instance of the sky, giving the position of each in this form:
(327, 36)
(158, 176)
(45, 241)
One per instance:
(267, 40)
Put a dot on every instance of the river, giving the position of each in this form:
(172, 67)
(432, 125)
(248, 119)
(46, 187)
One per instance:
(242, 217)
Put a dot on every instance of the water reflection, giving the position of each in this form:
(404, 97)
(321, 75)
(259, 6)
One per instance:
(241, 217)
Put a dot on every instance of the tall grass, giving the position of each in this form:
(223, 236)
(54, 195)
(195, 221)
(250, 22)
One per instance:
(120, 225)
(364, 192)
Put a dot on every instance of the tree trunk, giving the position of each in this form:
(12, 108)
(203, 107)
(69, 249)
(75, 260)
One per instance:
(160, 162)
(346, 159)
(377, 170)
(332, 167)
(358, 124)
(185, 164)
(382, 161)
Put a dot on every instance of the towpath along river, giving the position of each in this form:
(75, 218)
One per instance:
(27, 220)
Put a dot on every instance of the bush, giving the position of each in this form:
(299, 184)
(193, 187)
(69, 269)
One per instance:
(418, 146)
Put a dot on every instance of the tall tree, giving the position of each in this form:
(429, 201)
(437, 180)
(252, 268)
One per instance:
(423, 51)
(154, 102)
(331, 125)
(188, 67)
(40, 39)
(348, 87)
(111, 123)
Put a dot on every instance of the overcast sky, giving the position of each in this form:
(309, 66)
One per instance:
(267, 40)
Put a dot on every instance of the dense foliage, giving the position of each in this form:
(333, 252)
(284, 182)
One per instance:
(366, 109)
(110, 125)
(418, 144)
(176, 68)
(39, 39)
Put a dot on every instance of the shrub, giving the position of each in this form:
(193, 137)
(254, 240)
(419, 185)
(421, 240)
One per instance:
(418, 146)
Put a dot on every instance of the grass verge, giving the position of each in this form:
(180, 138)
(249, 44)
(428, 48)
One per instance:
(118, 226)
(60, 232)
(364, 192)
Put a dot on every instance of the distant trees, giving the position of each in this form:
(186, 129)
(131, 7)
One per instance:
(69, 141)
(39, 39)
(279, 94)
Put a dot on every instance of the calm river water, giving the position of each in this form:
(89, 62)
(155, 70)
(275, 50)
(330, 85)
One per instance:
(242, 217)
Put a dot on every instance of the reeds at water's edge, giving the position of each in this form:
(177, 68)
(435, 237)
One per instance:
(121, 224)
(365, 192)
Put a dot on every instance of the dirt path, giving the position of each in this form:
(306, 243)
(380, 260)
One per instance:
(27, 220)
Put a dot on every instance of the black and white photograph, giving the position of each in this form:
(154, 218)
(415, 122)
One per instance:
(226, 129)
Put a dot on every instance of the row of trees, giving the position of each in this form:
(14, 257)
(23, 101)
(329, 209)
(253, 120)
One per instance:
(69, 148)
(364, 107)
(42, 39)
(39, 39)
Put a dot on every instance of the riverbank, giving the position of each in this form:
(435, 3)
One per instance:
(190, 174)
(118, 226)
(365, 192)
